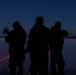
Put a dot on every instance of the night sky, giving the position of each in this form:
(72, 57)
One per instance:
(25, 11)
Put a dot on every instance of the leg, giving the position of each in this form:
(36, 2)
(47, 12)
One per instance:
(34, 66)
(61, 69)
(61, 65)
(12, 69)
(33, 69)
(53, 66)
(20, 69)
(43, 68)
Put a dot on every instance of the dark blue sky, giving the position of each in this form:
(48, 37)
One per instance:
(26, 11)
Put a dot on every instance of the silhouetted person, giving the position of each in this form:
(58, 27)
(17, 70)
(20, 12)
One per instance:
(56, 45)
(38, 48)
(16, 39)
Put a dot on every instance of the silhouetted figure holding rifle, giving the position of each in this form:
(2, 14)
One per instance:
(38, 48)
(56, 45)
(16, 39)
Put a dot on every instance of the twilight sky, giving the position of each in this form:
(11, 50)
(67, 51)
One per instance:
(25, 11)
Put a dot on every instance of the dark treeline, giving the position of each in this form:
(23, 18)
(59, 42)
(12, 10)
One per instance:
(41, 39)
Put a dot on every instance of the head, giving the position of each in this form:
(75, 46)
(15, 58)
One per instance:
(39, 20)
(58, 24)
(16, 25)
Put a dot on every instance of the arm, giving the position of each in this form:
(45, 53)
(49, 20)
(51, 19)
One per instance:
(8, 37)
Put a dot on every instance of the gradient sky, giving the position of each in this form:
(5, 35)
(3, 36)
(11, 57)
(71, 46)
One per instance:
(25, 11)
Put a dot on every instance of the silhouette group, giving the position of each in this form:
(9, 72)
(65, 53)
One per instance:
(41, 39)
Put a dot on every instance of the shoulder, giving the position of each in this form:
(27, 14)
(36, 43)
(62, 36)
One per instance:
(46, 28)
(64, 32)
(12, 31)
